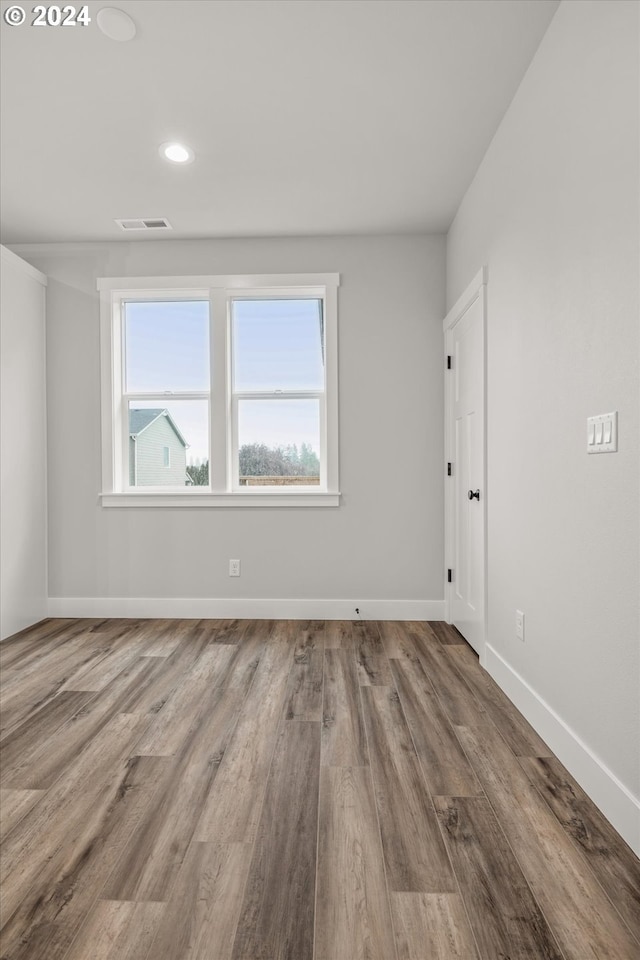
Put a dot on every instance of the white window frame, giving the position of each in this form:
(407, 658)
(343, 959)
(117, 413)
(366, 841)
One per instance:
(219, 291)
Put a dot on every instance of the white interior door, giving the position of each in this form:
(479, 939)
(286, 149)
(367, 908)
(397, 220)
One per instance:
(465, 430)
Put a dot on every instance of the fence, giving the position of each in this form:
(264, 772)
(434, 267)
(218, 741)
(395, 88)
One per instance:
(279, 481)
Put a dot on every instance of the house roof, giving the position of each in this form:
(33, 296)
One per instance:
(140, 420)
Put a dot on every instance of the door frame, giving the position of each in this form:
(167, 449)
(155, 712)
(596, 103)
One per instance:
(477, 289)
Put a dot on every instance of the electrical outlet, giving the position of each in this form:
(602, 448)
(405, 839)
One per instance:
(234, 568)
(520, 625)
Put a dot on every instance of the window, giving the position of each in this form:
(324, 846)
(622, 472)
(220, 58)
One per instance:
(220, 391)
(165, 397)
(278, 390)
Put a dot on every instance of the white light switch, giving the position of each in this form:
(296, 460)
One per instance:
(602, 433)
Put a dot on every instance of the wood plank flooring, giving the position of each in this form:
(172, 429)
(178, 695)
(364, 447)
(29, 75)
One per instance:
(289, 790)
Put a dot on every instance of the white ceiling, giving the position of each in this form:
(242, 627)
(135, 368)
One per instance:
(306, 116)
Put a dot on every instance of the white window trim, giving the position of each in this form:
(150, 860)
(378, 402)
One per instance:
(217, 289)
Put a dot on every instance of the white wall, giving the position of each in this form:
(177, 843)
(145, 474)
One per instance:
(553, 212)
(23, 447)
(385, 541)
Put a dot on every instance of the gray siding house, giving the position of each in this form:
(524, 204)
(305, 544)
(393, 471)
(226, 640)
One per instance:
(157, 450)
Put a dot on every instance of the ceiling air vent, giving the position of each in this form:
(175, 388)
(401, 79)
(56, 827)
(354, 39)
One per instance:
(157, 223)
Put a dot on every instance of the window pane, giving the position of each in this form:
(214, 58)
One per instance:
(278, 345)
(279, 442)
(166, 346)
(168, 443)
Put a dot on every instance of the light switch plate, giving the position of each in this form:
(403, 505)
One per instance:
(602, 433)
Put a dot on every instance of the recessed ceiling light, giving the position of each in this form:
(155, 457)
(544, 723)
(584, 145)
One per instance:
(176, 152)
(116, 24)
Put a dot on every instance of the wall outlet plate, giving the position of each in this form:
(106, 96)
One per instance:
(520, 625)
(234, 568)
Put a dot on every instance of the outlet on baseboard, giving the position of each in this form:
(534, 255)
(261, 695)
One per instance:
(234, 568)
(520, 625)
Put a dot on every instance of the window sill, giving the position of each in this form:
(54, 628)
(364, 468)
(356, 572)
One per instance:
(274, 498)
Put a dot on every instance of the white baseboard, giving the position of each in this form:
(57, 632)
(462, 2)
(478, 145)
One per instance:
(608, 793)
(250, 609)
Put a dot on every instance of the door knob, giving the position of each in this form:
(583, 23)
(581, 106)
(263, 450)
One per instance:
(474, 494)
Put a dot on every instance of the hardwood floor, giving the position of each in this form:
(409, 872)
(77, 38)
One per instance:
(288, 790)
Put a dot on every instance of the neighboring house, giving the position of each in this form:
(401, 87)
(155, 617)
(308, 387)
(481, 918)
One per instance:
(157, 450)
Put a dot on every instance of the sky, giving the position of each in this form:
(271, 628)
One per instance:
(277, 346)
